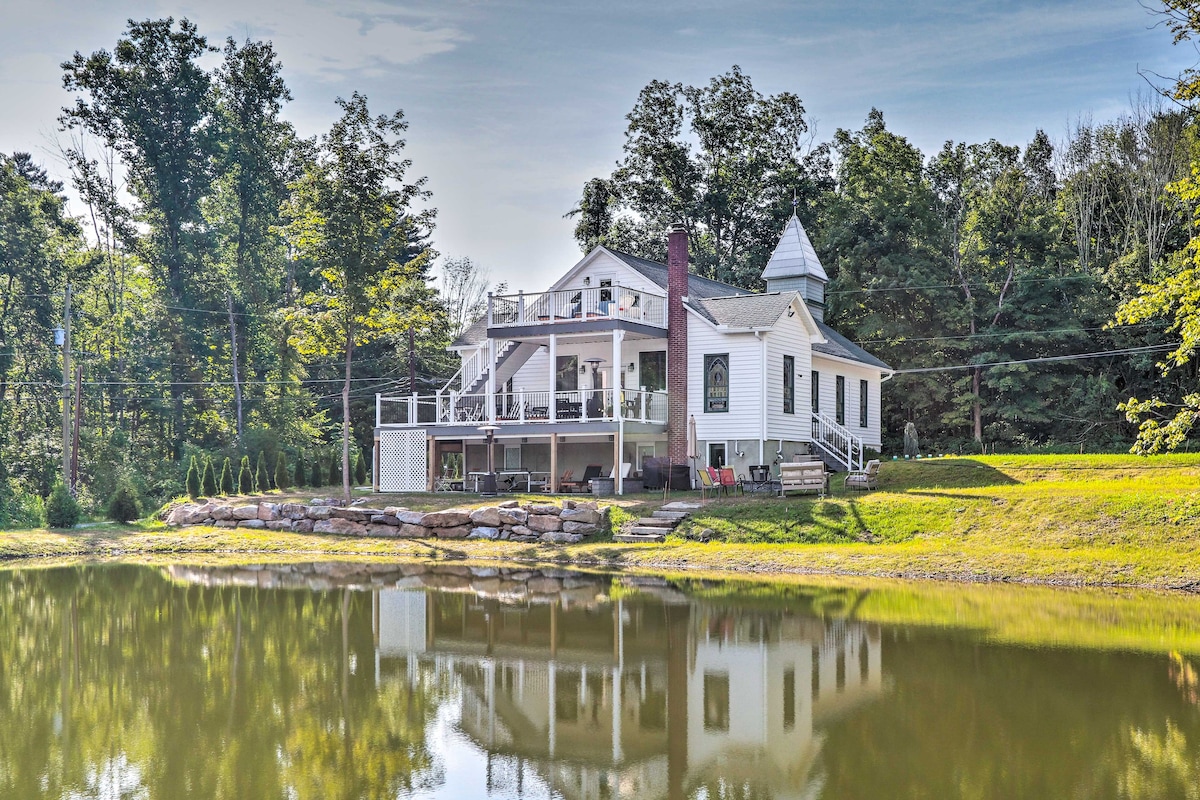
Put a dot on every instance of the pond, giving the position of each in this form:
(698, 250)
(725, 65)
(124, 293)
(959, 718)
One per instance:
(360, 680)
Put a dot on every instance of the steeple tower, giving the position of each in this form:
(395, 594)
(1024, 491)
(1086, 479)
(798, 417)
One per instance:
(794, 267)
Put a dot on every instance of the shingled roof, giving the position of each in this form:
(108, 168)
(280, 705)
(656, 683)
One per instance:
(745, 310)
(840, 346)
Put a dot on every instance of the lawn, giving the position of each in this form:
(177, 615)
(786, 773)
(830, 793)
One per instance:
(1071, 520)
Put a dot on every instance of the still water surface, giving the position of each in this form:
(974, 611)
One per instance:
(385, 681)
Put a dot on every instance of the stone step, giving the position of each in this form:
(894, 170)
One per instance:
(650, 530)
(652, 537)
(657, 522)
(675, 515)
(680, 505)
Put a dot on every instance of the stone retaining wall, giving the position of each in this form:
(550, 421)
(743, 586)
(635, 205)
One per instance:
(533, 522)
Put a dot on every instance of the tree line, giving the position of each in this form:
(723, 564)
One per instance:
(237, 288)
(1005, 282)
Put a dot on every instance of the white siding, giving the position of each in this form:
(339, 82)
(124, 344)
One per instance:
(788, 338)
(743, 420)
(829, 369)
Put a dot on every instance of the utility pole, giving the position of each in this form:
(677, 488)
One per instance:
(66, 390)
(78, 424)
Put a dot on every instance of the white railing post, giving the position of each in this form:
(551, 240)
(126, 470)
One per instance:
(378, 409)
(412, 409)
(490, 322)
(521, 307)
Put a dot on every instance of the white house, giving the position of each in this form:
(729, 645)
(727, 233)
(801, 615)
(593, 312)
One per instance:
(585, 373)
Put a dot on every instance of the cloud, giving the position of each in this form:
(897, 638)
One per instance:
(327, 41)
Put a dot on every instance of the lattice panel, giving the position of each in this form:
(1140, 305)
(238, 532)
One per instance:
(402, 456)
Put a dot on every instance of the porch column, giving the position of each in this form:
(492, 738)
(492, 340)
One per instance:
(554, 463)
(491, 381)
(432, 470)
(620, 443)
(618, 373)
(553, 410)
(375, 464)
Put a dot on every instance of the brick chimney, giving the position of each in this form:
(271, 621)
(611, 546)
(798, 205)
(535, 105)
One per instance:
(677, 345)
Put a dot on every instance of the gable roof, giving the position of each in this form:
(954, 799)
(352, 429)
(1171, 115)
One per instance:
(841, 347)
(745, 310)
(794, 255)
(698, 287)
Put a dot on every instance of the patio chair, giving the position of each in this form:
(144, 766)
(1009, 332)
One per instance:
(565, 482)
(729, 481)
(866, 478)
(707, 485)
(592, 471)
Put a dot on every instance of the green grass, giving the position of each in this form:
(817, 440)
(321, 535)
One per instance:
(1069, 520)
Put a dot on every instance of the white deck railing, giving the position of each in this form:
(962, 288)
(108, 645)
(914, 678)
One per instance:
(583, 405)
(567, 305)
(838, 441)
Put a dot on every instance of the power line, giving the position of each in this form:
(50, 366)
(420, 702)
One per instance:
(954, 286)
(903, 339)
(1043, 359)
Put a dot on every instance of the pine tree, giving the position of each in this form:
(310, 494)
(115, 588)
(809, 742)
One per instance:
(299, 480)
(360, 468)
(124, 505)
(61, 509)
(227, 486)
(335, 470)
(262, 478)
(316, 476)
(246, 477)
(281, 472)
(193, 480)
(208, 479)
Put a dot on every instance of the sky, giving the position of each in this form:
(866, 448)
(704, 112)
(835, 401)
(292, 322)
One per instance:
(514, 104)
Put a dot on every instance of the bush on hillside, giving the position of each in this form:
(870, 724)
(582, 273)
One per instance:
(299, 480)
(192, 482)
(124, 505)
(317, 474)
(262, 478)
(360, 469)
(281, 472)
(246, 477)
(227, 485)
(208, 479)
(61, 509)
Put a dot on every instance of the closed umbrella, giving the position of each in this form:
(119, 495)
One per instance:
(693, 445)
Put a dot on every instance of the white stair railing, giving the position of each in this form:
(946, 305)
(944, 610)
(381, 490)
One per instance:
(838, 441)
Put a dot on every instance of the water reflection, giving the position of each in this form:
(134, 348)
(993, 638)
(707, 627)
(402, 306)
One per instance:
(373, 681)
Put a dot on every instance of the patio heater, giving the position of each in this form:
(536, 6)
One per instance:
(489, 481)
(596, 401)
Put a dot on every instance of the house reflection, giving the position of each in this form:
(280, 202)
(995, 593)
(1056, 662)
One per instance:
(644, 696)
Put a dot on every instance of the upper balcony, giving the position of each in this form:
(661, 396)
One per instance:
(576, 308)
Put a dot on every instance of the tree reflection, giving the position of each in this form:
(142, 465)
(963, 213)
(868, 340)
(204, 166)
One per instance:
(115, 682)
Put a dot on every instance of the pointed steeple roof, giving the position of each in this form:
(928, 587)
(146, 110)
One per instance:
(794, 256)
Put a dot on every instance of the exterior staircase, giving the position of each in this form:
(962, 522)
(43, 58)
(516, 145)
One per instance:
(511, 358)
(655, 527)
(835, 445)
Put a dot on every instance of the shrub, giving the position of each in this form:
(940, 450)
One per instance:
(360, 468)
(299, 480)
(262, 478)
(317, 476)
(335, 469)
(124, 505)
(281, 472)
(193, 480)
(208, 479)
(245, 477)
(61, 509)
(227, 485)
(912, 447)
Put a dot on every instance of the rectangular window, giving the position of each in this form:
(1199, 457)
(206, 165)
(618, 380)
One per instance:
(716, 455)
(512, 456)
(816, 392)
(789, 385)
(789, 699)
(716, 701)
(840, 407)
(566, 373)
(652, 370)
(716, 383)
(862, 404)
